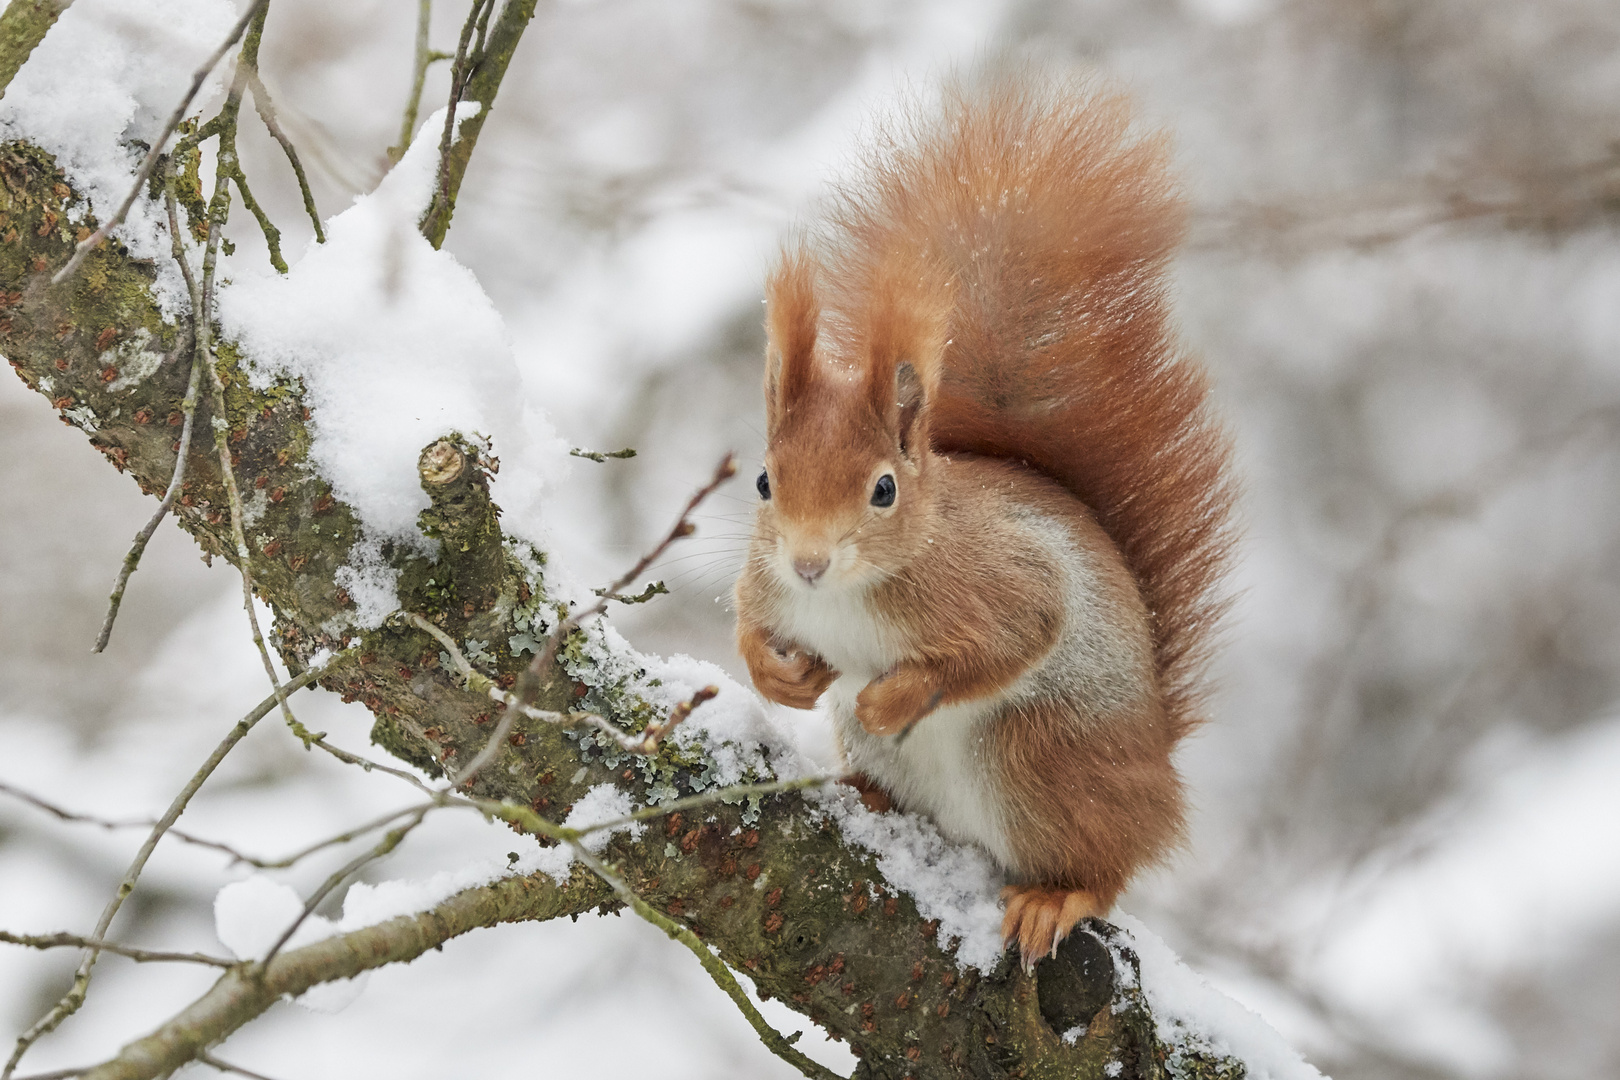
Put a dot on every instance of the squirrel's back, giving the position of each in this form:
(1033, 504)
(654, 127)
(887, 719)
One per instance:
(1049, 223)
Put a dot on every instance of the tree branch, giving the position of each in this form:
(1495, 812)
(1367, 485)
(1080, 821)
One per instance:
(771, 889)
(23, 26)
(477, 78)
(246, 991)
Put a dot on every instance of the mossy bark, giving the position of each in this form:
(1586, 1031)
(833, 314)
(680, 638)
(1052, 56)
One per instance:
(774, 889)
(23, 25)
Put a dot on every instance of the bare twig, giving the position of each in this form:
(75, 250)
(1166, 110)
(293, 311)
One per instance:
(74, 998)
(272, 235)
(475, 77)
(425, 58)
(224, 1066)
(735, 793)
(188, 408)
(528, 682)
(148, 163)
(215, 845)
(145, 956)
(318, 741)
(645, 742)
(133, 823)
(228, 163)
(683, 527)
(246, 991)
(653, 588)
(267, 113)
(459, 71)
(219, 208)
(775, 1041)
(387, 844)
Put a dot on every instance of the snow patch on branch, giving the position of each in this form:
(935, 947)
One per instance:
(1190, 1015)
(90, 101)
(396, 344)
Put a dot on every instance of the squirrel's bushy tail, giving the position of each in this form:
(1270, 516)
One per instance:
(1051, 223)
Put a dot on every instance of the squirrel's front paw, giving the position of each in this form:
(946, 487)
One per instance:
(792, 678)
(895, 700)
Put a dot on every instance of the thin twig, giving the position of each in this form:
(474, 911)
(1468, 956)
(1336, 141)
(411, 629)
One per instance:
(735, 793)
(645, 742)
(228, 163)
(599, 456)
(219, 208)
(267, 113)
(244, 992)
(224, 1066)
(272, 235)
(148, 163)
(460, 70)
(387, 844)
(74, 998)
(318, 741)
(188, 408)
(132, 823)
(682, 528)
(145, 956)
(425, 57)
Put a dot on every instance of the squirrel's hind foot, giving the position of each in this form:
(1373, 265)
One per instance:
(1038, 918)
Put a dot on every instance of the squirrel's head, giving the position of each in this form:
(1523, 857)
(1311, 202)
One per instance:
(844, 497)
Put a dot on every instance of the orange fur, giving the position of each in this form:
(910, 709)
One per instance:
(1057, 227)
(983, 325)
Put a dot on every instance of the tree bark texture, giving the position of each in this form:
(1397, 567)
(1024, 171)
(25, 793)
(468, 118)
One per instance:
(783, 899)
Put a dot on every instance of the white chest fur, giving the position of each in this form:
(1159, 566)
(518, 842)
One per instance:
(944, 766)
(940, 768)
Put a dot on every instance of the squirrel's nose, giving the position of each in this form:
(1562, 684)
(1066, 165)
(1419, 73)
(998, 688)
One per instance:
(811, 569)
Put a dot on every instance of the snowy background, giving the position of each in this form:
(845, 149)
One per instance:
(1405, 275)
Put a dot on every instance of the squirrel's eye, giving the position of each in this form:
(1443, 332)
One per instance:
(883, 493)
(763, 484)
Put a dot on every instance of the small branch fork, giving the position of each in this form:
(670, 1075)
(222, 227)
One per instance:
(75, 941)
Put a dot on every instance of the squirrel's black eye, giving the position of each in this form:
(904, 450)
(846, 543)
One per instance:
(883, 493)
(763, 485)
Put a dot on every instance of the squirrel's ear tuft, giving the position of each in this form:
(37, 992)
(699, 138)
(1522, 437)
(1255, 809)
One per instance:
(791, 315)
(906, 326)
(909, 397)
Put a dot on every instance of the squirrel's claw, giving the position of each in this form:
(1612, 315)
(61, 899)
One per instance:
(1039, 918)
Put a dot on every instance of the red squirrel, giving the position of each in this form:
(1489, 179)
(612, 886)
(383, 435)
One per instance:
(995, 503)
